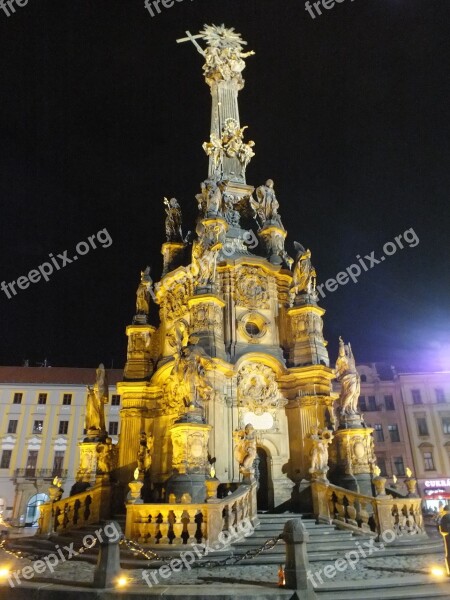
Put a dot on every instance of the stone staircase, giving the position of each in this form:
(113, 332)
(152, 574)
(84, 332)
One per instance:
(369, 579)
(327, 543)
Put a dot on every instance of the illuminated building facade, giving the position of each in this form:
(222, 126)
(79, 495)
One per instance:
(42, 412)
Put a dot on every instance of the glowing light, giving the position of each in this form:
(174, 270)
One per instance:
(438, 572)
(122, 581)
(264, 421)
(4, 572)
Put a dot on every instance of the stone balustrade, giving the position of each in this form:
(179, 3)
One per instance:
(180, 524)
(76, 511)
(367, 514)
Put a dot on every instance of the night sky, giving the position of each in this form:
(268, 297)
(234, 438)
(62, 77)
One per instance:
(102, 114)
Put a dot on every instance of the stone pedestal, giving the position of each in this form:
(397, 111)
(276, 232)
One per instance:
(139, 365)
(308, 346)
(212, 483)
(88, 460)
(355, 456)
(206, 312)
(379, 485)
(272, 237)
(189, 437)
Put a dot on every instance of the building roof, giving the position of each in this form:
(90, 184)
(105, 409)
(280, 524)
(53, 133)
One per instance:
(56, 375)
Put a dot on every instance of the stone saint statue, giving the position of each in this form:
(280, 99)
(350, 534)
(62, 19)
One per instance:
(173, 220)
(105, 456)
(143, 294)
(321, 439)
(349, 379)
(144, 457)
(266, 206)
(245, 448)
(96, 399)
(304, 274)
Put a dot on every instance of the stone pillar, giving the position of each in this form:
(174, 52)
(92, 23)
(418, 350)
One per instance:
(307, 345)
(139, 365)
(206, 323)
(108, 561)
(296, 570)
(189, 437)
(133, 420)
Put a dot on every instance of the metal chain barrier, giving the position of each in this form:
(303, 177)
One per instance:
(237, 558)
(233, 559)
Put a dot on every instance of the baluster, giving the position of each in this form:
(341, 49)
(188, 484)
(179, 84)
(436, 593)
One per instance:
(152, 527)
(351, 511)
(340, 507)
(178, 527)
(191, 525)
(164, 526)
(365, 516)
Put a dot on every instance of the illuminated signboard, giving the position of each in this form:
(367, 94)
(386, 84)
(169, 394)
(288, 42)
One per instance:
(437, 483)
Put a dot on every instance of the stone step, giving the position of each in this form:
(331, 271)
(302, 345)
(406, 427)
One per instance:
(414, 587)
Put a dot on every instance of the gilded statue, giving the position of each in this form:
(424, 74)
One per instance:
(321, 439)
(188, 382)
(144, 456)
(349, 379)
(245, 448)
(266, 206)
(106, 456)
(96, 399)
(143, 294)
(173, 220)
(304, 274)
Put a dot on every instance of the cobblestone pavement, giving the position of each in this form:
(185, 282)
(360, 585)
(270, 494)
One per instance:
(74, 570)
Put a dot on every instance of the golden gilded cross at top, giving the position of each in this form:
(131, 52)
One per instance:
(192, 38)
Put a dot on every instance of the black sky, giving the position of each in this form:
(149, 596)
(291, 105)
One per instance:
(102, 114)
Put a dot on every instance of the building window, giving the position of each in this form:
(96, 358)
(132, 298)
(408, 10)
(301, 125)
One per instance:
(362, 403)
(115, 400)
(399, 466)
(446, 424)
(372, 404)
(113, 427)
(6, 459)
(58, 461)
(416, 396)
(38, 426)
(393, 432)
(379, 435)
(63, 427)
(428, 461)
(30, 470)
(381, 462)
(42, 399)
(12, 426)
(363, 378)
(67, 399)
(389, 403)
(440, 396)
(18, 398)
(422, 427)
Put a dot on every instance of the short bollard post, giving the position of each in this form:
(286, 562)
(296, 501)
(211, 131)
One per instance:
(295, 537)
(108, 561)
(444, 530)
